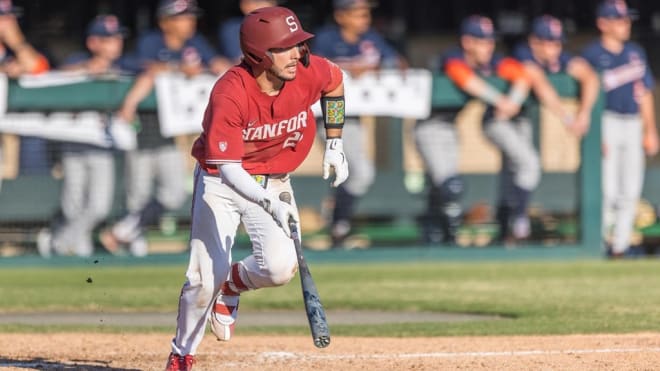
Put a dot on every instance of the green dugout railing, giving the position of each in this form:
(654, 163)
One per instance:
(388, 195)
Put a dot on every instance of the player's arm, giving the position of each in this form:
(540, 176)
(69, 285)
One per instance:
(226, 125)
(464, 77)
(333, 108)
(579, 69)
(513, 71)
(545, 92)
(467, 80)
(647, 112)
(27, 60)
(141, 88)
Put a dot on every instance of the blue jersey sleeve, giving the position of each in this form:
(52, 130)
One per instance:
(229, 37)
(649, 81)
(205, 49)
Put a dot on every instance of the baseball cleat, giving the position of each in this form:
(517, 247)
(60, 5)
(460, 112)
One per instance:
(176, 362)
(223, 317)
(187, 362)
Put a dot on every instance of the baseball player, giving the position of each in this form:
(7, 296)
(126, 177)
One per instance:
(468, 66)
(228, 31)
(258, 127)
(174, 47)
(628, 123)
(543, 55)
(18, 57)
(89, 171)
(356, 48)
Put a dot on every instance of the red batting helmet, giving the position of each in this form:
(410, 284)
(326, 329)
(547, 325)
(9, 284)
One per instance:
(270, 28)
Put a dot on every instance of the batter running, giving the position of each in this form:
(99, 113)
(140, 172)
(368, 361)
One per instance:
(258, 127)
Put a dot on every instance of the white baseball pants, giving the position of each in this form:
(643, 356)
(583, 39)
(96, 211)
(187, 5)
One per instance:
(217, 211)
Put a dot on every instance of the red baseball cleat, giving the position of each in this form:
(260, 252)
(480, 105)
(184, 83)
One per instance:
(176, 362)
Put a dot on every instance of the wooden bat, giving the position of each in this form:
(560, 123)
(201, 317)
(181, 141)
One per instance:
(315, 312)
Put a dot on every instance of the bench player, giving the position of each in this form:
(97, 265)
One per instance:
(628, 123)
(468, 66)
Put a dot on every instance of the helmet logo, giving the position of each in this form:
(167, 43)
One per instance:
(293, 25)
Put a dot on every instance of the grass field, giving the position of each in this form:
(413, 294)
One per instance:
(590, 296)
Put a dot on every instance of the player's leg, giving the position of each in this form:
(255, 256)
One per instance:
(515, 142)
(611, 132)
(631, 177)
(362, 172)
(101, 188)
(273, 261)
(97, 177)
(437, 143)
(72, 202)
(139, 175)
(215, 218)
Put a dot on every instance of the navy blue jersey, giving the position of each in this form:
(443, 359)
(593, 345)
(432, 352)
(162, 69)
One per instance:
(151, 48)
(523, 53)
(229, 37)
(370, 50)
(625, 77)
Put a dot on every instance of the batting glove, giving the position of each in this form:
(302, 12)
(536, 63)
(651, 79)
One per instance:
(281, 212)
(334, 158)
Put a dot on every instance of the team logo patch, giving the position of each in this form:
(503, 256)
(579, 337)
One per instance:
(223, 146)
(335, 112)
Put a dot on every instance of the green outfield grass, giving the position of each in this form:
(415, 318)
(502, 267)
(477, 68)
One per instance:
(591, 296)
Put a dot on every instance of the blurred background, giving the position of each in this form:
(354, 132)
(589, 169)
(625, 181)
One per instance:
(419, 29)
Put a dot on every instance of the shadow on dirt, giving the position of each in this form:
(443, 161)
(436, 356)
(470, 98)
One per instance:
(76, 364)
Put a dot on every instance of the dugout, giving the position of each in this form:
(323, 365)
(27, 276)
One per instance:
(389, 210)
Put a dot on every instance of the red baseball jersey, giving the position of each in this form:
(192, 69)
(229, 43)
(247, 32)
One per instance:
(267, 134)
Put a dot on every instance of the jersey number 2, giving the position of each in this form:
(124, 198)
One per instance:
(293, 140)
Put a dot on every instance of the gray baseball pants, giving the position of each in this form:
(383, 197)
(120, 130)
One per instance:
(623, 175)
(86, 199)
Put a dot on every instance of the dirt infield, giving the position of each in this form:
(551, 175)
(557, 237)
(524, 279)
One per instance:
(88, 351)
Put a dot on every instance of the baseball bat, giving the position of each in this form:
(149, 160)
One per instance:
(313, 307)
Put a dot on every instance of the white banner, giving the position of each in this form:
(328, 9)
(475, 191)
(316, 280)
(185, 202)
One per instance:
(53, 78)
(388, 93)
(84, 127)
(181, 102)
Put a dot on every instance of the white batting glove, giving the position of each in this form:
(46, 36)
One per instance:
(281, 212)
(334, 158)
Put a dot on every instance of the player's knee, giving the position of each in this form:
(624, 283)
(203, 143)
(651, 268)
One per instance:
(282, 274)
